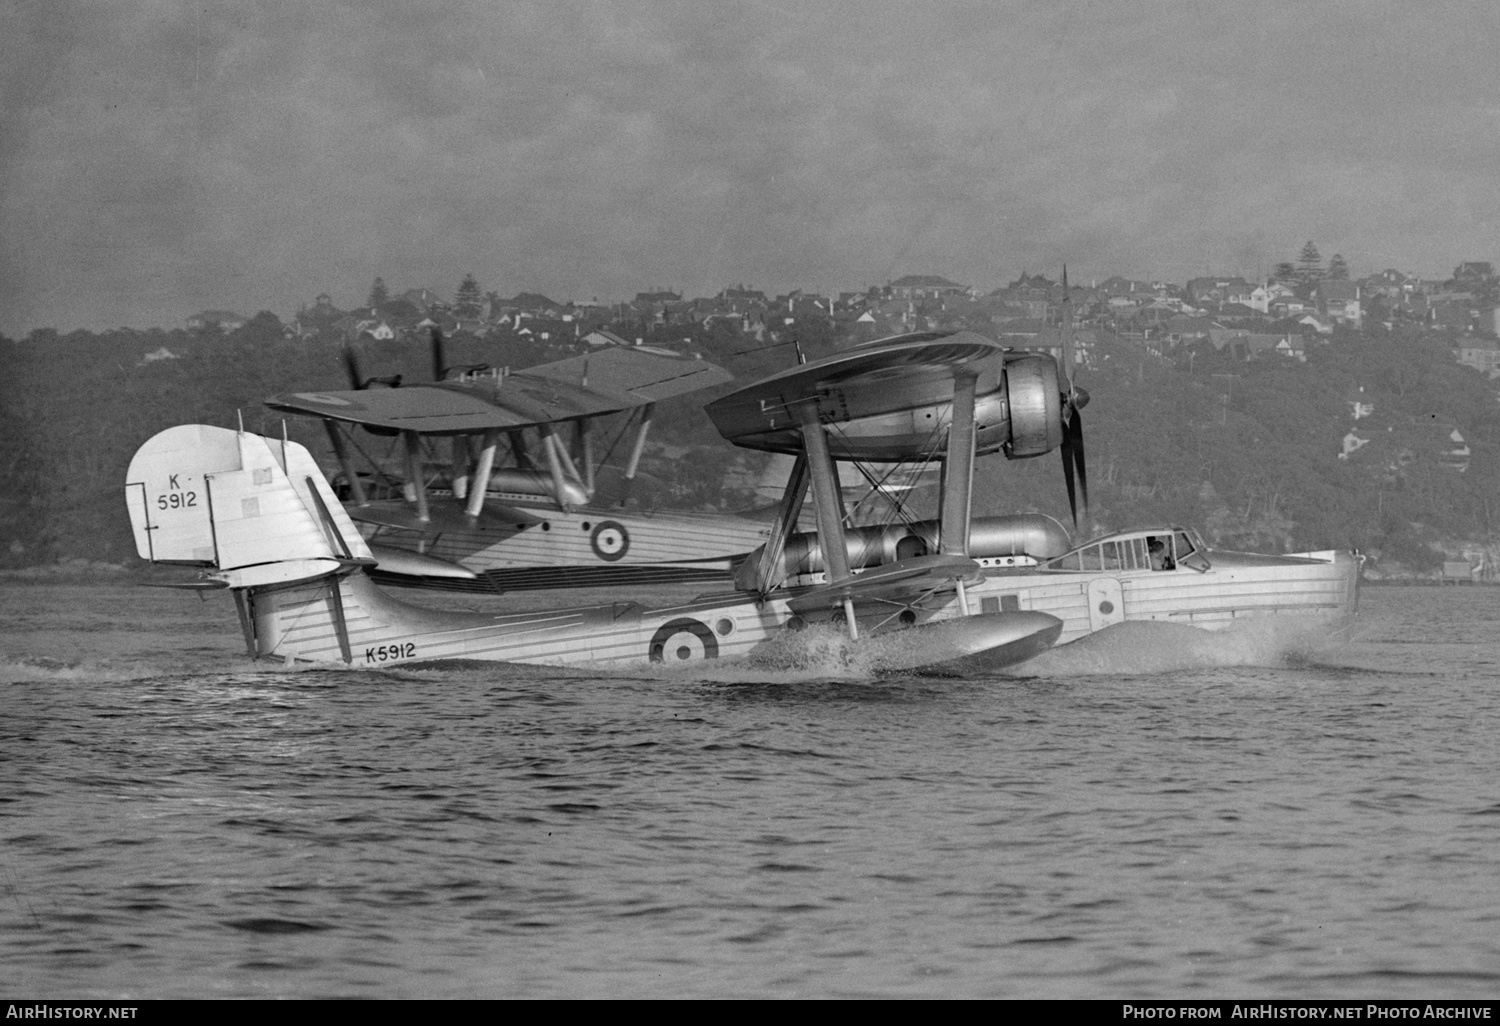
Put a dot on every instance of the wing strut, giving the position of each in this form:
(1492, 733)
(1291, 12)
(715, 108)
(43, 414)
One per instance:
(341, 450)
(635, 452)
(586, 453)
(460, 468)
(481, 482)
(830, 505)
(552, 447)
(958, 479)
(414, 472)
(781, 529)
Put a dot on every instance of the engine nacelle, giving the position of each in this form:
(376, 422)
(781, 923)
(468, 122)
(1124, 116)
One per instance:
(1026, 534)
(510, 481)
(1035, 406)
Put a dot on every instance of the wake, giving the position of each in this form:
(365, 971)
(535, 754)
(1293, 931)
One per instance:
(1146, 647)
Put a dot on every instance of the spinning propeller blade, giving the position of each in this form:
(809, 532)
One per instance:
(1072, 456)
(439, 360)
(351, 366)
(1074, 399)
(357, 380)
(1067, 458)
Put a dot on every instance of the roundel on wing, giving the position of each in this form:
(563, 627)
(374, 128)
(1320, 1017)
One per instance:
(683, 640)
(610, 541)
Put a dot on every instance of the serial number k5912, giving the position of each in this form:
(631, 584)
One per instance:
(385, 653)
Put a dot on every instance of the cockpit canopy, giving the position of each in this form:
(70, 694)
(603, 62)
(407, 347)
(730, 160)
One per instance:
(1166, 548)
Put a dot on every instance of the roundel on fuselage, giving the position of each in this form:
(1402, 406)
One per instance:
(683, 640)
(610, 541)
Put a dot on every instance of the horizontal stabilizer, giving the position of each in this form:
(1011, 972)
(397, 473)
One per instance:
(415, 564)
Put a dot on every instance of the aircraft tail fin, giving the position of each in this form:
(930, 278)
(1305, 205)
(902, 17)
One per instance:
(256, 509)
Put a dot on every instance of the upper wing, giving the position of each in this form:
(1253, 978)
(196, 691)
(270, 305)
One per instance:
(427, 409)
(641, 373)
(582, 386)
(903, 373)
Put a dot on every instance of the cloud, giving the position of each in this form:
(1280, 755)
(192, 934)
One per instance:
(162, 158)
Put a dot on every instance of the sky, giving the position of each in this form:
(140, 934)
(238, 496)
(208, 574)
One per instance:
(159, 157)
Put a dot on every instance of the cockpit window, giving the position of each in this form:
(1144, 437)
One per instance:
(1162, 551)
(1159, 552)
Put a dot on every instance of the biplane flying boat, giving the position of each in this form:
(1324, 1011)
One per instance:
(515, 502)
(261, 517)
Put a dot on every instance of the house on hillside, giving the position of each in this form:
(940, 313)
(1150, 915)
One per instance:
(1459, 310)
(423, 299)
(919, 287)
(602, 337)
(739, 299)
(1339, 301)
(1482, 354)
(222, 320)
(321, 316)
(1219, 290)
(1456, 456)
(1289, 345)
(1262, 298)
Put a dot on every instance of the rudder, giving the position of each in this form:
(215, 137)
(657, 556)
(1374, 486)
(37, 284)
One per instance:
(257, 509)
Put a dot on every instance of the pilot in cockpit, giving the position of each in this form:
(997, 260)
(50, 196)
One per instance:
(1161, 559)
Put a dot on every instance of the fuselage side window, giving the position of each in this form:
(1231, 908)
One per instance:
(1112, 560)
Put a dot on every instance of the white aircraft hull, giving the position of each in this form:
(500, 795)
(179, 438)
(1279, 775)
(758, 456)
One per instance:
(1211, 590)
(1236, 586)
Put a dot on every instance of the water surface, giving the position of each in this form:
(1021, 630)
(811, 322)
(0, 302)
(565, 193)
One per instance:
(1155, 813)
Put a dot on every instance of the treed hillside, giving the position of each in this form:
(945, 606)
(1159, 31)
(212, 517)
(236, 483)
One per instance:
(1248, 452)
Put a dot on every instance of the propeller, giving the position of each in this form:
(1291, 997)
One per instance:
(351, 367)
(357, 380)
(1074, 399)
(439, 359)
(1072, 454)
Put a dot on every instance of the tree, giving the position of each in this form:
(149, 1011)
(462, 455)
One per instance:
(1309, 262)
(1285, 273)
(261, 330)
(1337, 269)
(1477, 277)
(378, 294)
(466, 303)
